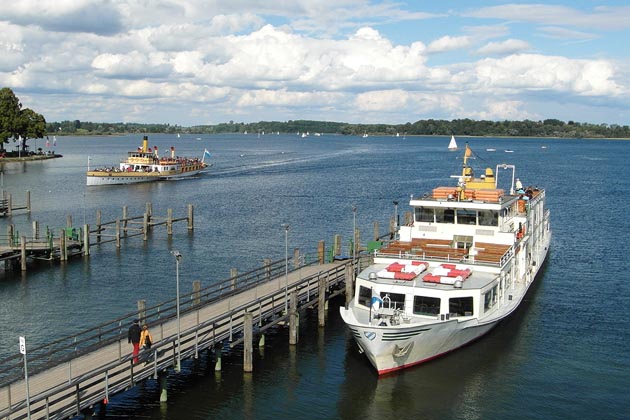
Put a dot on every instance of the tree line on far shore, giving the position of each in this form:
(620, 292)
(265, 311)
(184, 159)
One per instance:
(458, 127)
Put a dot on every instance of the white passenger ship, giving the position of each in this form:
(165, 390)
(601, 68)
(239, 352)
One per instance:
(463, 264)
(145, 165)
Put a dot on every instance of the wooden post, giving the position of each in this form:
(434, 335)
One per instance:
(10, 233)
(337, 245)
(267, 265)
(248, 352)
(28, 201)
(35, 230)
(392, 227)
(169, 222)
(9, 204)
(125, 216)
(23, 252)
(117, 233)
(296, 258)
(321, 302)
(321, 251)
(163, 387)
(62, 246)
(294, 320)
(357, 241)
(233, 276)
(86, 240)
(149, 212)
(142, 311)
(191, 217)
(145, 226)
(69, 221)
(376, 234)
(196, 292)
(99, 226)
(349, 283)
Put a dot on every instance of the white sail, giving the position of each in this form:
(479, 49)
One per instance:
(453, 144)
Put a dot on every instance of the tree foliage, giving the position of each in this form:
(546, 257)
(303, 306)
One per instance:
(430, 127)
(17, 123)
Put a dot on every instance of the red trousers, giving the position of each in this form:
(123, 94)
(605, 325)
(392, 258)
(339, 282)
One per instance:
(136, 350)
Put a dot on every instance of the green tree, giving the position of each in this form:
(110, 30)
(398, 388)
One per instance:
(10, 108)
(31, 126)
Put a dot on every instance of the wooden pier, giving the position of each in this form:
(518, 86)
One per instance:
(16, 249)
(70, 376)
(7, 207)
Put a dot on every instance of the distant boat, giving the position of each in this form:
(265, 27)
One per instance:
(453, 144)
(491, 150)
(543, 147)
(365, 135)
(178, 136)
(509, 151)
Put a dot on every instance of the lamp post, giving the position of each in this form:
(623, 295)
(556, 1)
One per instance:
(178, 258)
(395, 216)
(286, 266)
(354, 234)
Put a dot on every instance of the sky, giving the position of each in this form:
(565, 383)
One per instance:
(196, 62)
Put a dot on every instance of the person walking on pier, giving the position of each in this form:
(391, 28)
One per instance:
(145, 337)
(133, 337)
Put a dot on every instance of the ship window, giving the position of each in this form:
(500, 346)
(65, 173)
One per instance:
(488, 218)
(461, 306)
(424, 214)
(445, 215)
(424, 305)
(394, 301)
(490, 298)
(365, 296)
(466, 217)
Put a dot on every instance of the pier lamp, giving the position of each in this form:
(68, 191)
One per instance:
(286, 265)
(178, 258)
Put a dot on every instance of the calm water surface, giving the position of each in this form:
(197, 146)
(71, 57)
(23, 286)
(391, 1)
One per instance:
(563, 356)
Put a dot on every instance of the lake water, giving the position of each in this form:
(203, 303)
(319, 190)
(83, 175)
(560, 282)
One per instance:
(564, 355)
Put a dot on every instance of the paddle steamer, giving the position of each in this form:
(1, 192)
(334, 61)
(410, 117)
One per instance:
(145, 165)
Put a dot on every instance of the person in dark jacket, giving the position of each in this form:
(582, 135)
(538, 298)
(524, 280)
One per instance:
(133, 336)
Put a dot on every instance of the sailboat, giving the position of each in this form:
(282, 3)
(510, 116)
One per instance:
(453, 144)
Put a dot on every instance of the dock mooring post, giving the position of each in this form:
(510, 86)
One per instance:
(191, 218)
(196, 297)
(321, 251)
(63, 256)
(248, 350)
(142, 310)
(321, 302)
(294, 320)
(28, 201)
(9, 204)
(86, 240)
(169, 222)
(23, 252)
(163, 386)
(349, 274)
(149, 211)
(376, 235)
(125, 216)
(117, 233)
(233, 276)
(99, 226)
(145, 226)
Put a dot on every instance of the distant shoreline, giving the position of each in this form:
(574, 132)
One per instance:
(28, 158)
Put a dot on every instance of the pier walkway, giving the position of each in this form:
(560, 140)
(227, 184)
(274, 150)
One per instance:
(71, 375)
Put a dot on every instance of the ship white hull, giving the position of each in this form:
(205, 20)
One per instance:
(394, 348)
(123, 178)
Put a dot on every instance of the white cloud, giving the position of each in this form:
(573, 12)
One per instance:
(503, 110)
(448, 43)
(606, 18)
(539, 72)
(509, 46)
